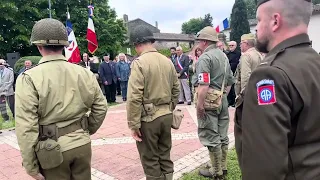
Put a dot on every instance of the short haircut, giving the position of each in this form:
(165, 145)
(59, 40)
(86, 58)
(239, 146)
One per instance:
(294, 12)
(173, 48)
(53, 48)
(233, 42)
(251, 42)
(179, 48)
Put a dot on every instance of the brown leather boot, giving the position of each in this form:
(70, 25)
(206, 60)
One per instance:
(215, 171)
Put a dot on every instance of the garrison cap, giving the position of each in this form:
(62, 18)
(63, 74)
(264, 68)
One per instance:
(264, 1)
(249, 36)
(49, 31)
(208, 33)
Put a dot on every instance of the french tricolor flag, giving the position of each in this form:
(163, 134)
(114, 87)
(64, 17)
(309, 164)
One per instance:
(72, 52)
(91, 34)
(224, 25)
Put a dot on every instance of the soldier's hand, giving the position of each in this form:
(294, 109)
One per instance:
(106, 83)
(136, 135)
(38, 177)
(200, 112)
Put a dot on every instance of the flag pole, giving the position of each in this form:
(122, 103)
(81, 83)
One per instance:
(49, 8)
(68, 13)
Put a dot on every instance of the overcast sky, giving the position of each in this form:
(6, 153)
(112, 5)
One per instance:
(170, 14)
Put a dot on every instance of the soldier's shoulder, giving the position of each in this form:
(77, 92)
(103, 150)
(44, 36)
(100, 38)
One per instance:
(31, 70)
(205, 56)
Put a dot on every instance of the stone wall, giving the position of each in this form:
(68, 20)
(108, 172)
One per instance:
(169, 44)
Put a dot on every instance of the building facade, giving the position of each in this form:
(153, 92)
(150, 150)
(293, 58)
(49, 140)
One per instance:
(163, 40)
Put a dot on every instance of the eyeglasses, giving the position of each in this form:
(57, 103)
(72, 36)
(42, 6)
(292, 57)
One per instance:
(231, 45)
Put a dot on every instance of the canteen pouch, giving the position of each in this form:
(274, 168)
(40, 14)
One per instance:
(49, 154)
(213, 99)
(177, 118)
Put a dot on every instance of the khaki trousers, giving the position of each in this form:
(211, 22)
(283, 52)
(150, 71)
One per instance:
(155, 147)
(213, 128)
(76, 165)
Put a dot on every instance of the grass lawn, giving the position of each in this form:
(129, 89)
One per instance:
(9, 124)
(233, 169)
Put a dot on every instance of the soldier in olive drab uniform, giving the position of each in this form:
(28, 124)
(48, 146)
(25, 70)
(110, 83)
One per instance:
(213, 71)
(280, 117)
(153, 91)
(58, 106)
(249, 60)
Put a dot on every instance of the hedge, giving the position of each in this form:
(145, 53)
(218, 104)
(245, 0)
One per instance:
(20, 63)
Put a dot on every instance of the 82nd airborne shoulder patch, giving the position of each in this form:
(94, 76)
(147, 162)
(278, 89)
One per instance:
(266, 92)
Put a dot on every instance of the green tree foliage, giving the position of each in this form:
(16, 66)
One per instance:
(316, 1)
(194, 25)
(20, 63)
(207, 21)
(239, 22)
(19, 16)
(251, 8)
(16, 21)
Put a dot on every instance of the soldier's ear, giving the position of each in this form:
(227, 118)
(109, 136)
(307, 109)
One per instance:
(276, 18)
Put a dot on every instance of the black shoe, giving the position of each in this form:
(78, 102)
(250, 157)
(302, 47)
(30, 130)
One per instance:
(180, 102)
(189, 103)
(225, 172)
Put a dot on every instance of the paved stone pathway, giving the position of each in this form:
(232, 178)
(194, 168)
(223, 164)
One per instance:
(114, 154)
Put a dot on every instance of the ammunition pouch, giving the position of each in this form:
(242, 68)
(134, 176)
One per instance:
(177, 118)
(149, 111)
(49, 153)
(212, 101)
(53, 132)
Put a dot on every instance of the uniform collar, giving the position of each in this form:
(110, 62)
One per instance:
(212, 46)
(52, 58)
(250, 49)
(148, 50)
(293, 41)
